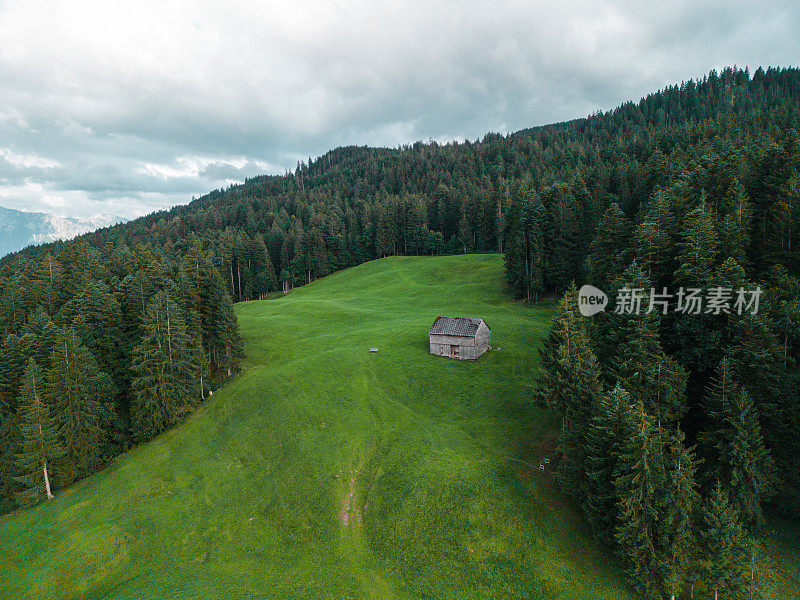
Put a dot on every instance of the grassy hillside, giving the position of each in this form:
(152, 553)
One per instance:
(325, 471)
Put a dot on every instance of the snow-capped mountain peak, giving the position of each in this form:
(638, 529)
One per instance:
(19, 229)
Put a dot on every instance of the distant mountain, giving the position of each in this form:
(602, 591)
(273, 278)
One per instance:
(19, 229)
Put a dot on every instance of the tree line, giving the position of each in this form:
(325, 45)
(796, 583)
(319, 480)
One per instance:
(679, 427)
(684, 517)
(102, 349)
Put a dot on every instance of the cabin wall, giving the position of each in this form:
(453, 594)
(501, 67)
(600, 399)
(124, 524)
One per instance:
(440, 346)
(482, 339)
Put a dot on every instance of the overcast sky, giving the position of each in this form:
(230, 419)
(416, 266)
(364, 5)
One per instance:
(125, 108)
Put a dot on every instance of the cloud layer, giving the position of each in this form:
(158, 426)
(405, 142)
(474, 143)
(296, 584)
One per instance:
(126, 108)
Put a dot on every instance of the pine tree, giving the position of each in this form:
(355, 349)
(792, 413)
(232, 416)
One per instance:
(639, 479)
(569, 383)
(643, 369)
(784, 216)
(43, 332)
(80, 264)
(80, 397)
(562, 237)
(13, 358)
(96, 317)
(48, 282)
(733, 447)
(9, 433)
(227, 348)
(219, 328)
(17, 301)
(750, 464)
(613, 423)
(735, 226)
(633, 355)
(677, 503)
(188, 306)
(699, 247)
(724, 552)
(264, 280)
(525, 246)
(40, 444)
(610, 251)
(167, 373)
(653, 240)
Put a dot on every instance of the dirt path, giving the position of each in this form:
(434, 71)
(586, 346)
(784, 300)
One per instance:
(351, 514)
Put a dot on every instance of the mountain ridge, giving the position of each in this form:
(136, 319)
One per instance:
(19, 229)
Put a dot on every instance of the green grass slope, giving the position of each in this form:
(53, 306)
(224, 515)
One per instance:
(325, 471)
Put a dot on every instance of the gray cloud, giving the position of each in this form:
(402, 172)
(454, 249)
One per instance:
(126, 109)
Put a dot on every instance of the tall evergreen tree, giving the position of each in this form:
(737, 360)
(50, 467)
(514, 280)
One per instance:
(40, 443)
(637, 359)
(677, 504)
(569, 383)
(167, 373)
(80, 396)
(733, 447)
(525, 246)
(699, 247)
(610, 251)
(613, 423)
(736, 224)
(9, 434)
(654, 240)
(723, 545)
(639, 479)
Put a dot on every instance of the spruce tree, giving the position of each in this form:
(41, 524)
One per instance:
(783, 221)
(569, 383)
(610, 251)
(699, 247)
(525, 246)
(13, 358)
(654, 239)
(562, 236)
(634, 357)
(40, 440)
(43, 332)
(48, 282)
(646, 371)
(734, 236)
(613, 423)
(167, 370)
(733, 447)
(723, 545)
(677, 504)
(9, 433)
(639, 479)
(96, 317)
(80, 396)
(226, 343)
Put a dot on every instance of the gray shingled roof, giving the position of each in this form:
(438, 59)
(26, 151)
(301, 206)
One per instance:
(458, 326)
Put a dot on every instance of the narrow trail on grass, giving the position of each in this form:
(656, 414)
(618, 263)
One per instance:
(351, 513)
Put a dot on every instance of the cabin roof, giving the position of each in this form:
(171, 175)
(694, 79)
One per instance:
(457, 326)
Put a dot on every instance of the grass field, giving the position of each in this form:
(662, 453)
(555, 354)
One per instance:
(326, 471)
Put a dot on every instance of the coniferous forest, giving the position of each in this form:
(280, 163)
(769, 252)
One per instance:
(679, 431)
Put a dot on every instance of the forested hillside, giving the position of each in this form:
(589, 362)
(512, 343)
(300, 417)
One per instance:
(102, 348)
(696, 185)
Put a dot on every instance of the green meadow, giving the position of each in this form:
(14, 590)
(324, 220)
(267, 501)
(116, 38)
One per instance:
(326, 471)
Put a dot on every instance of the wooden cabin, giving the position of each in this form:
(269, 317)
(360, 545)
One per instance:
(459, 337)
